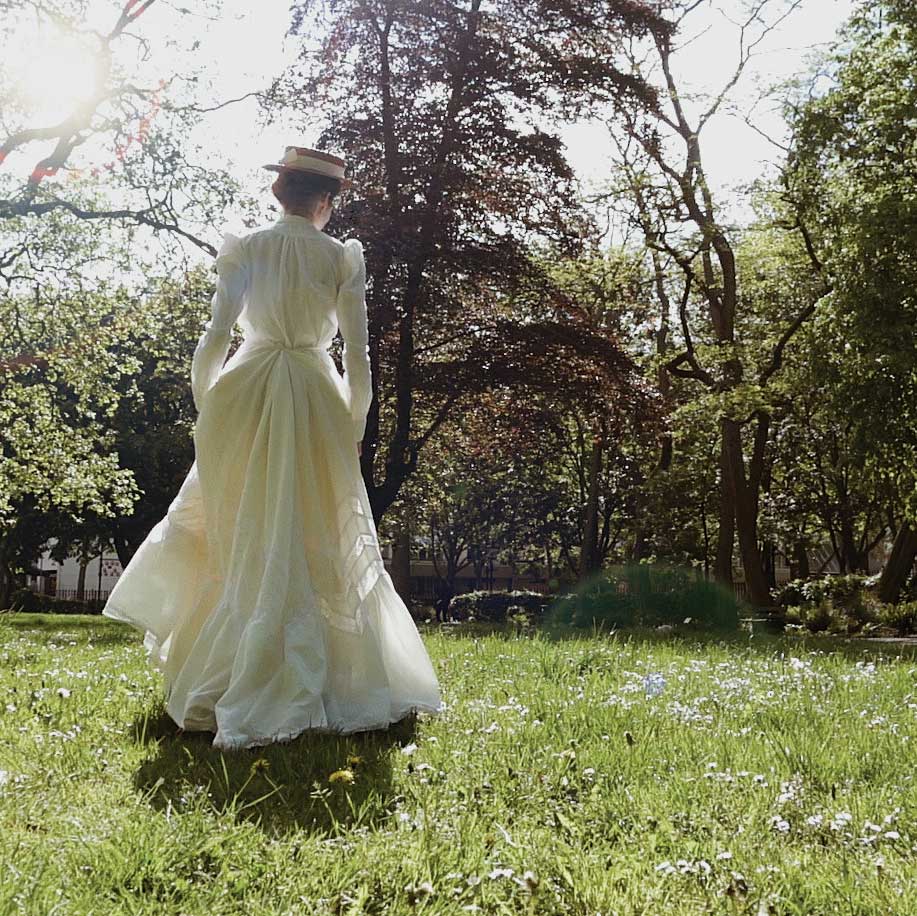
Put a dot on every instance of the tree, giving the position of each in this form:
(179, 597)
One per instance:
(852, 178)
(57, 451)
(680, 217)
(126, 133)
(434, 103)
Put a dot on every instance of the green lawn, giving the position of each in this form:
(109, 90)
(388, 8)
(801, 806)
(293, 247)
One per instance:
(583, 775)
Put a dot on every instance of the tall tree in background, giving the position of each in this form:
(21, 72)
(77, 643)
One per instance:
(681, 218)
(853, 175)
(436, 105)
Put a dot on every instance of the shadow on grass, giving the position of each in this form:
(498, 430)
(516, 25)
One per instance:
(281, 787)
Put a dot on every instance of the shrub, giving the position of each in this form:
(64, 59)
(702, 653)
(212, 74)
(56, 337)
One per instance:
(27, 601)
(598, 602)
(648, 595)
(836, 604)
(902, 618)
(846, 591)
(495, 606)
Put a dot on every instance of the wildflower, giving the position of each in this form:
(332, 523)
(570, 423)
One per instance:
(354, 760)
(417, 892)
(653, 685)
(779, 824)
(345, 776)
(723, 856)
(63, 692)
(891, 835)
(261, 764)
(500, 873)
(409, 749)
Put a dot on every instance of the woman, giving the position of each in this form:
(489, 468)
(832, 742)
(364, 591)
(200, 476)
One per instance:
(262, 593)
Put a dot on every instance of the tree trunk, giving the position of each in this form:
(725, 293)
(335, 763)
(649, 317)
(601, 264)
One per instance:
(746, 516)
(590, 561)
(899, 565)
(81, 579)
(6, 578)
(401, 562)
(799, 568)
(851, 557)
(722, 567)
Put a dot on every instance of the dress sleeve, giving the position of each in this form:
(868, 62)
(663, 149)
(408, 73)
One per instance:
(232, 282)
(351, 311)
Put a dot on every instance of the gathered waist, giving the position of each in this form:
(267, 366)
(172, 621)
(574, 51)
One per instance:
(263, 343)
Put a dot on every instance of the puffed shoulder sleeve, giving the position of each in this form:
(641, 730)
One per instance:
(232, 283)
(351, 311)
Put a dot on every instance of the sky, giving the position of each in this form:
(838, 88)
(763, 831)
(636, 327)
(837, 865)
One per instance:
(735, 153)
(242, 47)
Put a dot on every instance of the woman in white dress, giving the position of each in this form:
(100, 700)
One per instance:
(262, 593)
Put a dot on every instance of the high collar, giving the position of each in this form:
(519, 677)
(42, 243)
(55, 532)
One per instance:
(294, 219)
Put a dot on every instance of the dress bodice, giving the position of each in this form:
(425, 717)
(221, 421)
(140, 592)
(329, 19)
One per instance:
(289, 286)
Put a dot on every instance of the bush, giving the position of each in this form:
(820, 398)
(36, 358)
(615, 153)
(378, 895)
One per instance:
(648, 595)
(495, 606)
(835, 604)
(844, 591)
(27, 601)
(902, 618)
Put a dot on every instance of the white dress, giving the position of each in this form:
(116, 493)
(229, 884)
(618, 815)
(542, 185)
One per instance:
(262, 593)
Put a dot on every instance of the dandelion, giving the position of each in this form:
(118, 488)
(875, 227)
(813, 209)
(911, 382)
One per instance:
(260, 765)
(345, 776)
(354, 760)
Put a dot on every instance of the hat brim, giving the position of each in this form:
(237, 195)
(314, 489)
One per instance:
(274, 167)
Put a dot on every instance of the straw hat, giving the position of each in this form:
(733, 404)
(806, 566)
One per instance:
(316, 162)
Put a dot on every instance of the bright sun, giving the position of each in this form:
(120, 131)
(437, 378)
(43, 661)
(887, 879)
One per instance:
(54, 71)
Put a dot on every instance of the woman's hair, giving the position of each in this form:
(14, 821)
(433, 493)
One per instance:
(303, 189)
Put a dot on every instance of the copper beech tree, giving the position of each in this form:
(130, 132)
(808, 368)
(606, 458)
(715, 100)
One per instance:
(441, 107)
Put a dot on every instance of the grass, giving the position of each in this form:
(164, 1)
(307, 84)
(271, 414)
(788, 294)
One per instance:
(583, 775)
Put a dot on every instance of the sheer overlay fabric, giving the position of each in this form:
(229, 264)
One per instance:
(263, 593)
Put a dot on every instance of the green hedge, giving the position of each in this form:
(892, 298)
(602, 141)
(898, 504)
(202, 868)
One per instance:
(30, 602)
(646, 595)
(494, 607)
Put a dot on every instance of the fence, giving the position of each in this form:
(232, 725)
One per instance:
(89, 594)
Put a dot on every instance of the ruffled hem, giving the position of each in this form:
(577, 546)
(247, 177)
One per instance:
(226, 742)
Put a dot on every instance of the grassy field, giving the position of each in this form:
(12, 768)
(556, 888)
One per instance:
(583, 775)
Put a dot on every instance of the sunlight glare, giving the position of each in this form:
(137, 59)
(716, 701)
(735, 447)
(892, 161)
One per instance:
(55, 72)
